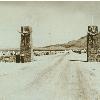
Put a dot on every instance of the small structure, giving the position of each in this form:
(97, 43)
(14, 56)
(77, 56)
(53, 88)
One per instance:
(26, 44)
(93, 44)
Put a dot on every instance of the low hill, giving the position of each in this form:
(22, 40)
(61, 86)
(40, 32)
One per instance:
(78, 44)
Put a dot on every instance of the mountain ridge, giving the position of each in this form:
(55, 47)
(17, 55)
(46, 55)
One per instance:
(80, 43)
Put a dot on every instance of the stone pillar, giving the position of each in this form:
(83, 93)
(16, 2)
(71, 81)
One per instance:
(26, 44)
(93, 44)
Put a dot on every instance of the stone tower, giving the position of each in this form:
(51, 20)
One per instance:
(93, 44)
(26, 44)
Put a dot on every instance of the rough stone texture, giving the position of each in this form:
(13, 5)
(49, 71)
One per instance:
(26, 43)
(93, 44)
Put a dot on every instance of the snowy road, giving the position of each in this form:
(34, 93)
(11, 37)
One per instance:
(48, 78)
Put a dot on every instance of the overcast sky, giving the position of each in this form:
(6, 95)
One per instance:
(52, 22)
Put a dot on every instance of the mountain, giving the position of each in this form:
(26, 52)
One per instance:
(78, 44)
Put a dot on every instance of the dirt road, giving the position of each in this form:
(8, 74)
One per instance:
(60, 79)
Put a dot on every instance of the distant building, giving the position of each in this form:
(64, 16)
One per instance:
(93, 44)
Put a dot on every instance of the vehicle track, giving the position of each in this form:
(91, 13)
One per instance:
(86, 90)
(41, 77)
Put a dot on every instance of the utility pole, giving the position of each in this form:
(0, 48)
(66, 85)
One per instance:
(50, 42)
(92, 20)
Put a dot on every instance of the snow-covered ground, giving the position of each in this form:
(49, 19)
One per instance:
(52, 77)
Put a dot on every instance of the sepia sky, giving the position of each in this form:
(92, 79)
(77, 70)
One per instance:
(52, 22)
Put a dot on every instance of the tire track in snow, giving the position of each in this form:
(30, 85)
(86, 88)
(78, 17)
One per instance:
(44, 75)
(86, 91)
(72, 82)
(50, 86)
(60, 81)
(27, 67)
